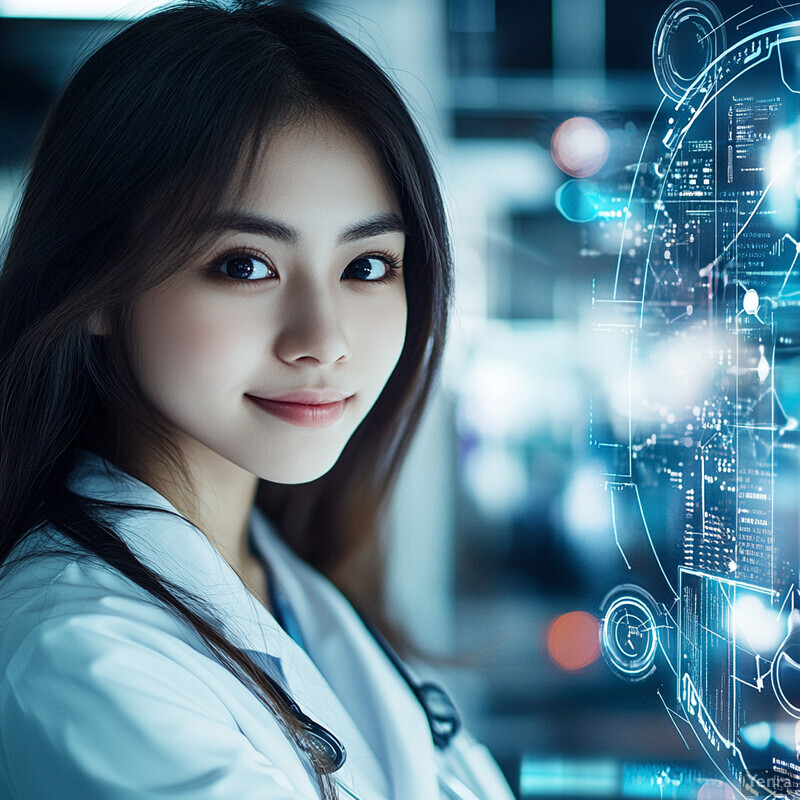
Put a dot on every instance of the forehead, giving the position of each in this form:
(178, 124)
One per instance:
(319, 164)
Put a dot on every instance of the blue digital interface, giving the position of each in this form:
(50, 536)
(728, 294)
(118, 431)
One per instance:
(698, 326)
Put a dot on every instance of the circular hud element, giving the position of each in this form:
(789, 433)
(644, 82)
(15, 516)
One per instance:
(689, 37)
(786, 674)
(629, 632)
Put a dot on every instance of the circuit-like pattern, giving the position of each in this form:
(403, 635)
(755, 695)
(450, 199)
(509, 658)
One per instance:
(701, 325)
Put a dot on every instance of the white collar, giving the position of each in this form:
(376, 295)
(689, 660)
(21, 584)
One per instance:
(179, 552)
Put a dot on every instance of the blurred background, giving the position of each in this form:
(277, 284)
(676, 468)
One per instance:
(502, 545)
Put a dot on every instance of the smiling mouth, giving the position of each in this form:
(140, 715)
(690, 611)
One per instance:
(304, 414)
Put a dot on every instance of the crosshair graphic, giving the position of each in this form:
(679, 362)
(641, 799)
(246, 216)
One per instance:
(629, 632)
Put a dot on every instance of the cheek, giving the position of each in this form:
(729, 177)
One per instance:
(381, 335)
(186, 341)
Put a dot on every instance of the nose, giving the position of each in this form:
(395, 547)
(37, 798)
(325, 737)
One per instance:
(312, 328)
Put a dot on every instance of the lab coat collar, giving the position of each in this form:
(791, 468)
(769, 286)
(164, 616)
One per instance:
(179, 552)
(375, 694)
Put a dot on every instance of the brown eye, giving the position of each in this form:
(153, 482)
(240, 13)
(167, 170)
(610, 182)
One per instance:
(245, 268)
(367, 268)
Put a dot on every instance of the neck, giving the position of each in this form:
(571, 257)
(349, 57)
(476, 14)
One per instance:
(217, 499)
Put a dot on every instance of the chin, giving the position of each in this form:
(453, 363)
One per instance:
(296, 474)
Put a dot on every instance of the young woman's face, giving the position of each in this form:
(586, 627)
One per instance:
(271, 348)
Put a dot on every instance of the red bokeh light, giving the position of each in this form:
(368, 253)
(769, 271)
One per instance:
(573, 640)
(579, 147)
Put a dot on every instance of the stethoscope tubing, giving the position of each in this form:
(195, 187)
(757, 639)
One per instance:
(443, 718)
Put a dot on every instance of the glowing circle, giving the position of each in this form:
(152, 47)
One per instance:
(573, 640)
(629, 633)
(751, 302)
(579, 147)
(786, 674)
(689, 37)
(578, 201)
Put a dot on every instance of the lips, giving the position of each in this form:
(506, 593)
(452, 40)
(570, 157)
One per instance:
(306, 408)
(310, 397)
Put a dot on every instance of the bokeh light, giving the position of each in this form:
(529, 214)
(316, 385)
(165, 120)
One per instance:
(579, 147)
(715, 790)
(578, 201)
(573, 640)
(758, 627)
(757, 735)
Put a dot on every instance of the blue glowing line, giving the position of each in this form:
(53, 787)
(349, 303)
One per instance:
(780, 62)
(650, 539)
(673, 714)
(769, 11)
(714, 633)
(616, 536)
(794, 260)
(666, 657)
(786, 599)
(725, 22)
(630, 402)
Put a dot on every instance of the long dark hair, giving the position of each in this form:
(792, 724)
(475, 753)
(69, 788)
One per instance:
(151, 133)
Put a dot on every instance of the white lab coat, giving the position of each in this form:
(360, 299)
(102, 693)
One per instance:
(105, 695)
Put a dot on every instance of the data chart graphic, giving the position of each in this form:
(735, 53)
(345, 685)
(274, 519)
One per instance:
(697, 426)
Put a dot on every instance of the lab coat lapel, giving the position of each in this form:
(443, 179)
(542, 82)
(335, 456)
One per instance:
(179, 552)
(372, 690)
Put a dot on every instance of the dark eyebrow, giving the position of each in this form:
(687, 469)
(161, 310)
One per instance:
(386, 222)
(374, 226)
(251, 223)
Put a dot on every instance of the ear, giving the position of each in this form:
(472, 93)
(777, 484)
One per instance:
(98, 323)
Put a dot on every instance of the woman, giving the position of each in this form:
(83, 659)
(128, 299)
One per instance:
(222, 308)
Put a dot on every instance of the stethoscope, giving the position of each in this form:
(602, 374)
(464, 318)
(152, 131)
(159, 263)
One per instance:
(443, 718)
(439, 709)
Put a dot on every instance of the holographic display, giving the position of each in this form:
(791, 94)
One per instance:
(696, 425)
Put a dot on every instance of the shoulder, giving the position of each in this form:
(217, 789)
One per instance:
(65, 613)
(116, 695)
(71, 616)
(49, 582)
